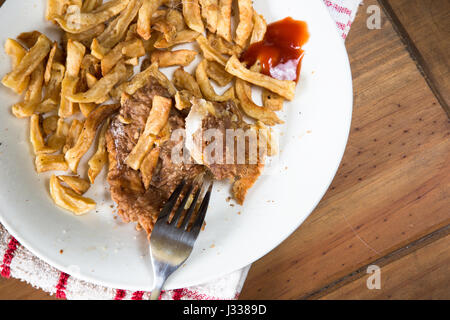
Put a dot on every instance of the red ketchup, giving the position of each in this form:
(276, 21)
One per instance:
(280, 52)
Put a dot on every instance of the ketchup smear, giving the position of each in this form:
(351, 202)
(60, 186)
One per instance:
(280, 52)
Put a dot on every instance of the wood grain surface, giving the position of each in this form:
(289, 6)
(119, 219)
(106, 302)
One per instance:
(422, 274)
(391, 188)
(388, 204)
(425, 28)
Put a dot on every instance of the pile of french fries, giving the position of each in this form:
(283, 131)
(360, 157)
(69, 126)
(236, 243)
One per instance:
(68, 87)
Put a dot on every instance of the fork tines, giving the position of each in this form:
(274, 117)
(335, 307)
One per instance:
(178, 217)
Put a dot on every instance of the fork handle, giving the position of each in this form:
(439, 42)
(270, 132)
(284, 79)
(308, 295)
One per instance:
(156, 292)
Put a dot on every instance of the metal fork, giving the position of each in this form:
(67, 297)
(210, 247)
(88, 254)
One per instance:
(171, 245)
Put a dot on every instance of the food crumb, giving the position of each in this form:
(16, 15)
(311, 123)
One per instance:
(212, 246)
(228, 199)
(231, 205)
(61, 251)
(239, 212)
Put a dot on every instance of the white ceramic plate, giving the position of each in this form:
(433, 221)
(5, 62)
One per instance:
(100, 249)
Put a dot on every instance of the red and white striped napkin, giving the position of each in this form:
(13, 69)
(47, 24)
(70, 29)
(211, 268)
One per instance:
(20, 263)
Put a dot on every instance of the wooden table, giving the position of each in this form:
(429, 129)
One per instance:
(389, 204)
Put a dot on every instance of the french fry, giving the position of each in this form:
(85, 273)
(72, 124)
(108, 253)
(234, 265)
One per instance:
(58, 8)
(224, 19)
(217, 72)
(77, 22)
(29, 38)
(16, 51)
(50, 124)
(132, 61)
(36, 138)
(244, 94)
(183, 99)
(76, 183)
(130, 48)
(184, 80)
(183, 36)
(54, 56)
(50, 162)
(148, 166)
(173, 58)
(52, 95)
(90, 80)
(75, 54)
(97, 50)
(55, 8)
(85, 37)
(144, 17)
(132, 34)
(159, 114)
(192, 16)
(210, 13)
(58, 139)
(102, 87)
(266, 139)
(145, 64)
(206, 87)
(86, 108)
(117, 29)
(167, 30)
(90, 5)
(272, 101)
(142, 78)
(68, 199)
(72, 135)
(100, 158)
(28, 64)
(175, 18)
(87, 135)
(134, 49)
(284, 88)
(91, 65)
(245, 26)
(173, 4)
(259, 28)
(160, 13)
(209, 52)
(222, 46)
(33, 95)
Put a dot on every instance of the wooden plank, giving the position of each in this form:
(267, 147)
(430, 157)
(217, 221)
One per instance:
(390, 258)
(423, 274)
(13, 289)
(392, 185)
(425, 28)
